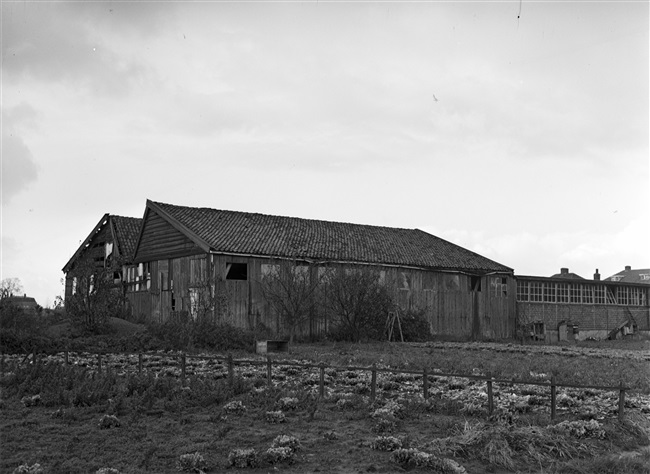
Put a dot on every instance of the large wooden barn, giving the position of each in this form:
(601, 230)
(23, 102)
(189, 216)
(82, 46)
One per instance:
(181, 249)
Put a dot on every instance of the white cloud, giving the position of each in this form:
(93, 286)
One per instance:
(536, 150)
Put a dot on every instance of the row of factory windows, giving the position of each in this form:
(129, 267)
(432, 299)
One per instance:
(580, 293)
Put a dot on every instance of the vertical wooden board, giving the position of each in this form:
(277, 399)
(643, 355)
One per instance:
(255, 296)
(178, 277)
(185, 270)
(430, 301)
(155, 308)
(242, 302)
(416, 280)
(155, 277)
(165, 302)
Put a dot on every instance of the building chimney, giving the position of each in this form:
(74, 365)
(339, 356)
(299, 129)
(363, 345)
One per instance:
(564, 271)
(597, 275)
(628, 268)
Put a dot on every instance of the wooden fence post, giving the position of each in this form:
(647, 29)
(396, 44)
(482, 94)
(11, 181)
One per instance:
(66, 357)
(425, 383)
(183, 368)
(553, 389)
(373, 382)
(231, 370)
(269, 369)
(99, 362)
(34, 359)
(621, 401)
(140, 362)
(321, 382)
(490, 394)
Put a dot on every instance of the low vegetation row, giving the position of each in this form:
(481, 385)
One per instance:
(55, 415)
(479, 392)
(23, 332)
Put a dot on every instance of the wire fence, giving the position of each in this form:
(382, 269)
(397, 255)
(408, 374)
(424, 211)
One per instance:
(424, 375)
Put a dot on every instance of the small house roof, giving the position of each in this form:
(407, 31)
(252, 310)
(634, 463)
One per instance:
(25, 302)
(641, 275)
(245, 233)
(21, 299)
(565, 274)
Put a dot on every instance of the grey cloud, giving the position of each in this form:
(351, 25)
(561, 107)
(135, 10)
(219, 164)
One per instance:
(52, 42)
(18, 166)
(21, 115)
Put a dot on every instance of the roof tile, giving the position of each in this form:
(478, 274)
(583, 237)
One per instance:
(291, 237)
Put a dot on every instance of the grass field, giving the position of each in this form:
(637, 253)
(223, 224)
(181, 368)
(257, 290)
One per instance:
(71, 419)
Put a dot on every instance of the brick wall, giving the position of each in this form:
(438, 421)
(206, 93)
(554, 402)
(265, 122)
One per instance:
(601, 318)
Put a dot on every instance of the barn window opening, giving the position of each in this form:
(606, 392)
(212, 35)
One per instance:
(405, 281)
(475, 283)
(236, 271)
(500, 288)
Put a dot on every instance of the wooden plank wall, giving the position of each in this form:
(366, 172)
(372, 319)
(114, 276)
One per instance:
(161, 240)
(451, 308)
(90, 253)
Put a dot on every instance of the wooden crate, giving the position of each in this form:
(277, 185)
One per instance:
(272, 346)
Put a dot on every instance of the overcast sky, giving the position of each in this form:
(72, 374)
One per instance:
(523, 139)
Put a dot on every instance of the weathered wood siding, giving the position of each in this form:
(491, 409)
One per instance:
(161, 240)
(95, 250)
(169, 291)
(452, 306)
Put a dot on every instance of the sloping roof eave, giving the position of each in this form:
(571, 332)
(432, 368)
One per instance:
(268, 236)
(311, 259)
(98, 227)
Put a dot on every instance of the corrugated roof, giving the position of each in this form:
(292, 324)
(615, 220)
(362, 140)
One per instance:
(127, 230)
(291, 237)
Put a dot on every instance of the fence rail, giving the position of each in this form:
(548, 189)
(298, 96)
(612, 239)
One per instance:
(425, 374)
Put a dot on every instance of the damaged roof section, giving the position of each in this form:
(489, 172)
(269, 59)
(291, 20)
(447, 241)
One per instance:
(123, 232)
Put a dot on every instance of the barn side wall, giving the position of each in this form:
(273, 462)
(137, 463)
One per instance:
(455, 304)
(95, 251)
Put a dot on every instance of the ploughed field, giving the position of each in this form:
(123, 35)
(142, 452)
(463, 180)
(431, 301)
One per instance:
(73, 417)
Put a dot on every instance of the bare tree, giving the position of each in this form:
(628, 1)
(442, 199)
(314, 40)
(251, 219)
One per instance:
(359, 302)
(206, 303)
(10, 287)
(96, 297)
(292, 290)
